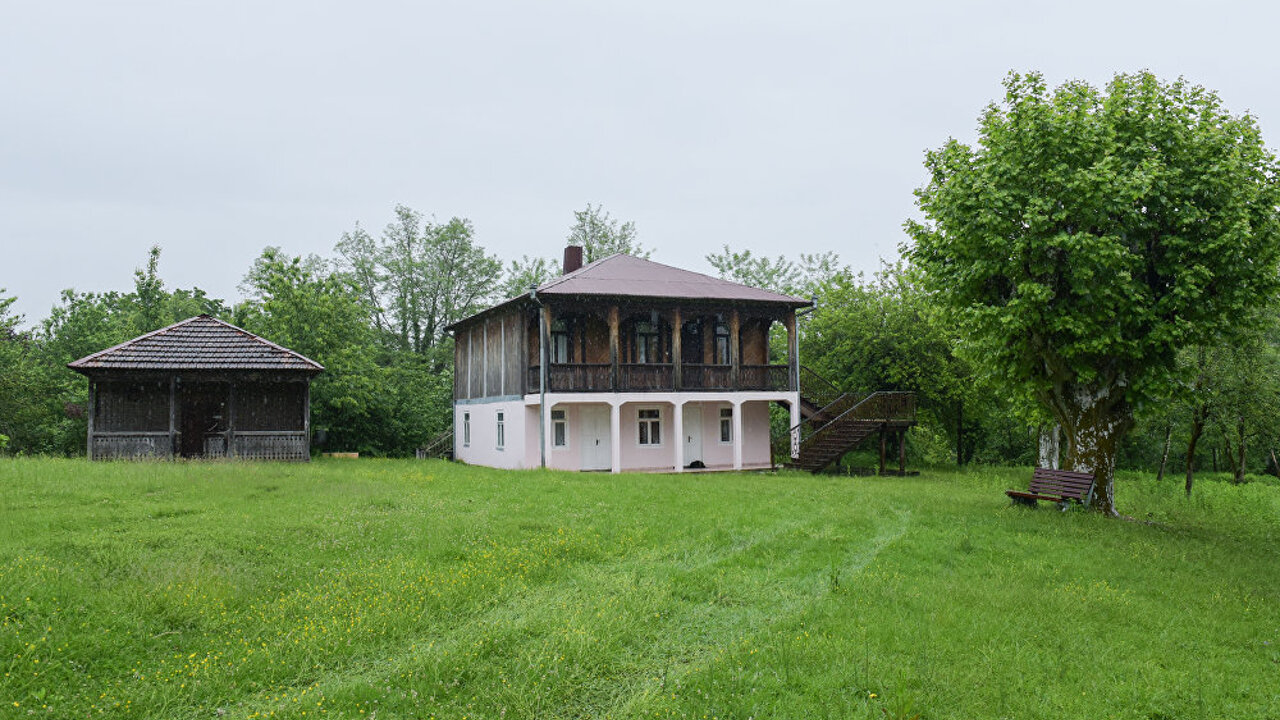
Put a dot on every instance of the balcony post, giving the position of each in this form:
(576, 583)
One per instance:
(676, 327)
(613, 349)
(735, 349)
(793, 350)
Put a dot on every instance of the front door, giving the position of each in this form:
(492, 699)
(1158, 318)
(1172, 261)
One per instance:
(692, 433)
(201, 413)
(597, 448)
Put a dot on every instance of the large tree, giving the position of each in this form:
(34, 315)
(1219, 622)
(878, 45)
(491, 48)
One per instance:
(1090, 234)
(601, 236)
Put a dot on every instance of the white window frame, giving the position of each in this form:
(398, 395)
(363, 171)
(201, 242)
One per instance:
(561, 422)
(466, 429)
(650, 423)
(501, 436)
(726, 419)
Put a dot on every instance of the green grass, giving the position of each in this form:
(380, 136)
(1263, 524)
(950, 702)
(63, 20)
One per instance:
(426, 589)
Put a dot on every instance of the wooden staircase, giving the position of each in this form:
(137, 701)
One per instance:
(440, 446)
(836, 422)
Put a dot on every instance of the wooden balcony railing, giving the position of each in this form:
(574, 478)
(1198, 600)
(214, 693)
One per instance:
(645, 377)
(706, 377)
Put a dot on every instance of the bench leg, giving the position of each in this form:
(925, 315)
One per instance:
(1027, 502)
(1063, 505)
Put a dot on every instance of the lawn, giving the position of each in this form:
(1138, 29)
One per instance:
(418, 589)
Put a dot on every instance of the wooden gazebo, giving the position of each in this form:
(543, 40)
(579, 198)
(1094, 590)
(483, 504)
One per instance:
(199, 388)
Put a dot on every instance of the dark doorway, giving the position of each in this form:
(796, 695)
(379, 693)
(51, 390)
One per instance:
(201, 414)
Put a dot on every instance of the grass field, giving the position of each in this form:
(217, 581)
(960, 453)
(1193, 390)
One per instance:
(402, 589)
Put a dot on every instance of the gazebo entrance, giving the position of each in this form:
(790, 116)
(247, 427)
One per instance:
(202, 413)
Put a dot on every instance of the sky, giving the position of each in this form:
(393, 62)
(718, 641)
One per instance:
(215, 129)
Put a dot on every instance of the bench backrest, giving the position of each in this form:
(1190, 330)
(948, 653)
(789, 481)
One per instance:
(1064, 483)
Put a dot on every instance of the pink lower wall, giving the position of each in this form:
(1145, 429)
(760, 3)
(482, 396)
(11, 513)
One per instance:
(522, 448)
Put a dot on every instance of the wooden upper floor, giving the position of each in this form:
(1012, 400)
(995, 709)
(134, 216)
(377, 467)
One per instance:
(672, 330)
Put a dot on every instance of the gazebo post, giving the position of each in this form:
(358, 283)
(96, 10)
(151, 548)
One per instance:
(231, 419)
(173, 384)
(92, 409)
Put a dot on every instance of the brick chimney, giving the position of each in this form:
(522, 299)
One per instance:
(572, 258)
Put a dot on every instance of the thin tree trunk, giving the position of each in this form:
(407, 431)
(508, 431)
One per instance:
(1240, 461)
(1213, 454)
(1275, 465)
(960, 433)
(1197, 427)
(1164, 456)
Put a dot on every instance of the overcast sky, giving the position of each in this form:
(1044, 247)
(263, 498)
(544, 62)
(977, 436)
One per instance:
(214, 129)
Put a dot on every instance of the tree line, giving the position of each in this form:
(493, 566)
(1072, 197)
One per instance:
(1100, 267)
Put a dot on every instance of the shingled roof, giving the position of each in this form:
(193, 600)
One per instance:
(629, 276)
(198, 343)
(626, 276)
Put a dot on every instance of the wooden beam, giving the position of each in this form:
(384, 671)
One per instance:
(882, 448)
(735, 347)
(793, 350)
(231, 419)
(676, 328)
(902, 452)
(613, 349)
(173, 391)
(92, 410)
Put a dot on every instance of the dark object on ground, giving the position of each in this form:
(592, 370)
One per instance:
(1058, 486)
(696, 464)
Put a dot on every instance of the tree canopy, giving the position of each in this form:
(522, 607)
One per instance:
(1090, 234)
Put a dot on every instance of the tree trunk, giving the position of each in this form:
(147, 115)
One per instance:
(1197, 427)
(1050, 446)
(1241, 450)
(1213, 454)
(960, 433)
(1095, 419)
(1164, 457)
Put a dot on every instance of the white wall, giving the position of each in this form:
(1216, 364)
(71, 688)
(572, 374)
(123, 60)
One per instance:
(483, 449)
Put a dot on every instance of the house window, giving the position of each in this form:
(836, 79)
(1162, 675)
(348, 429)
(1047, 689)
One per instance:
(560, 342)
(726, 425)
(647, 343)
(466, 429)
(502, 431)
(650, 421)
(559, 429)
(722, 344)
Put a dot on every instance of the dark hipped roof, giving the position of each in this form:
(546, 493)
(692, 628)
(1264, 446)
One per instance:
(198, 343)
(627, 276)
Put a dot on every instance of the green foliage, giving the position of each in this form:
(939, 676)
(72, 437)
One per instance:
(601, 236)
(1089, 235)
(419, 277)
(1096, 233)
(423, 588)
(525, 273)
(803, 279)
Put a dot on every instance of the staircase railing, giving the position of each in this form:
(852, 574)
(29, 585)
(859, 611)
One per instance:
(817, 390)
(437, 446)
(882, 406)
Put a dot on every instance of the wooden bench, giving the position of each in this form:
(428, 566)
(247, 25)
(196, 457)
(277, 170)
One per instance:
(1058, 486)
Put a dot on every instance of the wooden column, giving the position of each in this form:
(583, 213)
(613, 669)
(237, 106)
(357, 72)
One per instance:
(173, 391)
(902, 452)
(676, 326)
(306, 421)
(613, 348)
(735, 348)
(882, 448)
(231, 420)
(793, 350)
(91, 411)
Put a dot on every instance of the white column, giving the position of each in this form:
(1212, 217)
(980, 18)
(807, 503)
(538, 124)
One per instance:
(677, 436)
(615, 435)
(737, 434)
(547, 434)
(794, 441)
